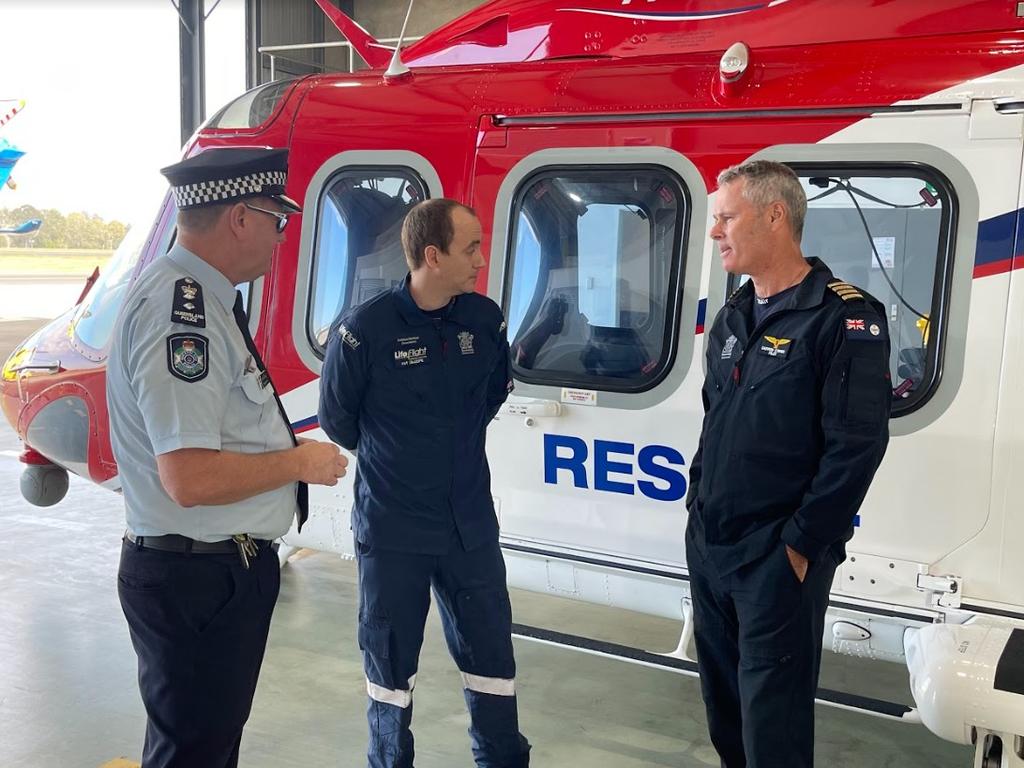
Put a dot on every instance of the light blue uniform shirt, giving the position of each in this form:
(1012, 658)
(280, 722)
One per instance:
(174, 385)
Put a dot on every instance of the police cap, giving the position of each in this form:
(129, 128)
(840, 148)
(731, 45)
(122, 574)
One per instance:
(226, 175)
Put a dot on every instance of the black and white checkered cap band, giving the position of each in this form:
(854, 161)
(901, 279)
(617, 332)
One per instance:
(206, 192)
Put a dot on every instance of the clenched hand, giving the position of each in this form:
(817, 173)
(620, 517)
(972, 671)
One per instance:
(320, 463)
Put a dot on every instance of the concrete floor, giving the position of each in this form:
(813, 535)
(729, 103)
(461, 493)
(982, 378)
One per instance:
(68, 693)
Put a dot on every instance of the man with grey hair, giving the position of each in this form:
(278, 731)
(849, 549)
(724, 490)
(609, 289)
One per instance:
(796, 411)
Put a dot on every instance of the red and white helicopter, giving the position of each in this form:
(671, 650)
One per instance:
(587, 135)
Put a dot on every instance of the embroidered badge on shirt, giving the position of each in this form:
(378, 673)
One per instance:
(465, 342)
(408, 357)
(727, 347)
(187, 307)
(347, 337)
(775, 347)
(187, 357)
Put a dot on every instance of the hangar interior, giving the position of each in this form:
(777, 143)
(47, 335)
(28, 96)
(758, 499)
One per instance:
(70, 696)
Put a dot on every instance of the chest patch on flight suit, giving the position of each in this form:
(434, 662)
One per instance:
(727, 348)
(407, 355)
(187, 357)
(187, 307)
(863, 329)
(773, 346)
(466, 343)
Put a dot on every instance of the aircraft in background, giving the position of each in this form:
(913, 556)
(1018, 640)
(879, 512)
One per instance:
(9, 154)
(588, 136)
(25, 228)
(9, 157)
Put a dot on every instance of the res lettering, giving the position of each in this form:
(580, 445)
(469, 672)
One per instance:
(566, 458)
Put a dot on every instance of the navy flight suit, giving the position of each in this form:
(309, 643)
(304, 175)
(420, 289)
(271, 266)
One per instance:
(795, 425)
(414, 393)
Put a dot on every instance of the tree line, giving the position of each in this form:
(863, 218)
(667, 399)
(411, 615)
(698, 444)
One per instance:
(73, 230)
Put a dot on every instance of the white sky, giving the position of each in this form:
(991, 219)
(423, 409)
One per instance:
(101, 84)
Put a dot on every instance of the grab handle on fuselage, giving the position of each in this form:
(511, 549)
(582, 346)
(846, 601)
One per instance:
(40, 368)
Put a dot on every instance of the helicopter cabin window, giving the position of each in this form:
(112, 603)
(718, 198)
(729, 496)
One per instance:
(592, 269)
(887, 230)
(93, 321)
(358, 247)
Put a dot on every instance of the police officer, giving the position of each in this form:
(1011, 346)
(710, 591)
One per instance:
(412, 378)
(208, 463)
(796, 403)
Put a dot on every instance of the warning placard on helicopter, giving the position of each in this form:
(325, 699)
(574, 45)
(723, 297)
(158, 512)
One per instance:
(579, 396)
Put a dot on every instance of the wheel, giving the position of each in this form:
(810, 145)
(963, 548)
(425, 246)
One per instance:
(993, 752)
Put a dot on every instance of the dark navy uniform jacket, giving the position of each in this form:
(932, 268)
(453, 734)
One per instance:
(414, 394)
(796, 421)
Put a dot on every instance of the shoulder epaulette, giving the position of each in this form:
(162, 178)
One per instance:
(845, 291)
(187, 305)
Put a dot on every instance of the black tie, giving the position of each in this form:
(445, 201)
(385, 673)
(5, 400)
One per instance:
(302, 494)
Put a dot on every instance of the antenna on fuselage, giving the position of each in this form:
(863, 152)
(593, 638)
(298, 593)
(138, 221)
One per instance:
(397, 68)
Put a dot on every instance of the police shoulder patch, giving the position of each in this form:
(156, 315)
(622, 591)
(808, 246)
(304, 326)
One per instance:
(187, 306)
(188, 356)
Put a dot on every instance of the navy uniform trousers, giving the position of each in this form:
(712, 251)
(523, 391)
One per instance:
(759, 631)
(472, 598)
(199, 625)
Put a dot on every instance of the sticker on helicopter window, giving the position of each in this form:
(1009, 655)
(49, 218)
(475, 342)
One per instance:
(579, 396)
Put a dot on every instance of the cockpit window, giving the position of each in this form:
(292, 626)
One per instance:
(252, 108)
(94, 319)
(358, 248)
(592, 273)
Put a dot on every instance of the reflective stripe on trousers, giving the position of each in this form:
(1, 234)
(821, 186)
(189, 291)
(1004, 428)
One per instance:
(387, 696)
(496, 686)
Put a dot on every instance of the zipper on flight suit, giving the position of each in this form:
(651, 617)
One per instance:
(439, 327)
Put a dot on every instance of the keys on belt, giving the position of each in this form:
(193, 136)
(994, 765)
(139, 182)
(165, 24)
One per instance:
(245, 545)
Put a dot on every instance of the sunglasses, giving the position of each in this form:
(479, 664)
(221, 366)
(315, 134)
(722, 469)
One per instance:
(282, 218)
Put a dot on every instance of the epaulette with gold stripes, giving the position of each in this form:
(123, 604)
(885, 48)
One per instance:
(845, 291)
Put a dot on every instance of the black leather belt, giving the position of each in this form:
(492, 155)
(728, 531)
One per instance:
(172, 542)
